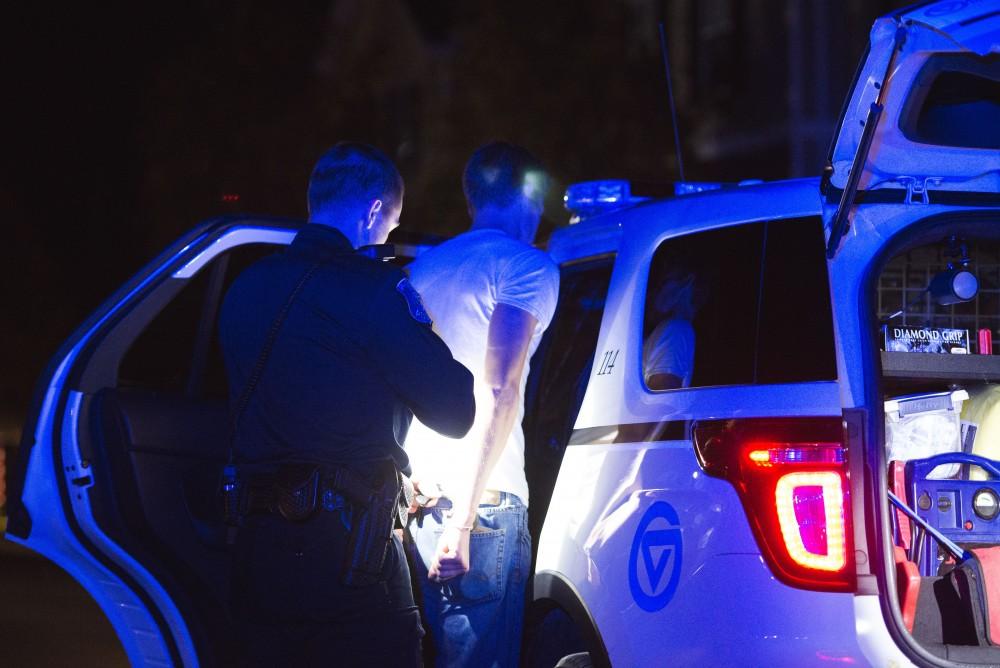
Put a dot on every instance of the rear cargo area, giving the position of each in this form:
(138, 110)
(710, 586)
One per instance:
(938, 319)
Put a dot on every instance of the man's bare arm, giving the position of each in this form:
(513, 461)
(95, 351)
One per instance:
(506, 351)
(507, 346)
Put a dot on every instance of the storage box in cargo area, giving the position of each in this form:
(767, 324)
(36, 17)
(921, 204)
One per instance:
(918, 426)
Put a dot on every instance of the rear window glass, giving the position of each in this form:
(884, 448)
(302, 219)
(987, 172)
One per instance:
(796, 325)
(741, 305)
(179, 350)
(956, 102)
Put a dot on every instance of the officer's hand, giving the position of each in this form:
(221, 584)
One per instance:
(424, 498)
(452, 556)
(408, 493)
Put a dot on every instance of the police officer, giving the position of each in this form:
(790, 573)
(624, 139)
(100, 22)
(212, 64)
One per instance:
(329, 354)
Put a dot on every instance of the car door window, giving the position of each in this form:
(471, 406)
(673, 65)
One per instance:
(178, 352)
(955, 101)
(795, 343)
(701, 309)
(740, 305)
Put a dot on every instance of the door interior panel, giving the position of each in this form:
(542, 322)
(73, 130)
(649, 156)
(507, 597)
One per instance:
(156, 463)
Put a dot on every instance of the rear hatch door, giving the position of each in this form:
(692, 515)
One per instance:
(935, 71)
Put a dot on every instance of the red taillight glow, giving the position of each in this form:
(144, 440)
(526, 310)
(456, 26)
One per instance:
(811, 516)
(791, 475)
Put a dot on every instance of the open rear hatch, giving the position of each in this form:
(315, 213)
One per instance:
(924, 114)
(922, 127)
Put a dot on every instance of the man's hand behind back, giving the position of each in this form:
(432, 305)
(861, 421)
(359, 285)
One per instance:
(452, 556)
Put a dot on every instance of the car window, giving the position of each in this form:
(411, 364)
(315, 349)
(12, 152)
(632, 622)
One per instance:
(739, 305)
(795, 343)
(701, 309)
(178, 352)
(955, 102)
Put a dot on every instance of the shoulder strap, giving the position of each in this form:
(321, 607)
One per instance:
(265, 352)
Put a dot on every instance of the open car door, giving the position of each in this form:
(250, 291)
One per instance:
(122, 449)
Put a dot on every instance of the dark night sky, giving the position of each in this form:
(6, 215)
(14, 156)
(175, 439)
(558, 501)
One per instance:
(125, 126)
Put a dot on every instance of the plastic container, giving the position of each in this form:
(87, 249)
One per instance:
(918, 426)
(981, 425)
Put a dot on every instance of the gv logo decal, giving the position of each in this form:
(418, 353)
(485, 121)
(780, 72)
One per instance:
(654, 565)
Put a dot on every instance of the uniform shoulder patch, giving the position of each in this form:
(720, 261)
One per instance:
(413, 301)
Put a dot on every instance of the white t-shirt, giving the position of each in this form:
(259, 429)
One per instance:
(461, 282)
(670, 349)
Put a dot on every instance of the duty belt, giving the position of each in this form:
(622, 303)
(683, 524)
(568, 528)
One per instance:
(377, 504)
(328, 489)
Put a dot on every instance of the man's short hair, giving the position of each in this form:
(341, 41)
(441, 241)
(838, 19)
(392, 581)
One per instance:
(348, 177)
(498, 173)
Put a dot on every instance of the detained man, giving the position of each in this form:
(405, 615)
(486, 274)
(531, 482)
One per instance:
(491, 295)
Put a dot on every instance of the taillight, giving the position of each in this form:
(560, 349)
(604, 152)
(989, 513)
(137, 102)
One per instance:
(791, 475)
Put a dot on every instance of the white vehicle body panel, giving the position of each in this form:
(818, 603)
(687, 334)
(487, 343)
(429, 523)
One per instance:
(717, 614)
(236, 237)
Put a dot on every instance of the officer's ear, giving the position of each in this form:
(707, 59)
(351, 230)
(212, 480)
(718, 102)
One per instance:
(373, 212)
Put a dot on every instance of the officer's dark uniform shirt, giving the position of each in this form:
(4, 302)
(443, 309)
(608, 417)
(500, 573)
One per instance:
(353, 361)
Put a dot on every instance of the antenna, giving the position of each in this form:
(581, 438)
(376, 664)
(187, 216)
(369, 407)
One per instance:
(673, 107)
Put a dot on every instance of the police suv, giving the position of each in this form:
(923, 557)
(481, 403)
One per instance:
(708, 418)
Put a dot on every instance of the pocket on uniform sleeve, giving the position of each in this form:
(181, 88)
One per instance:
(484, 581)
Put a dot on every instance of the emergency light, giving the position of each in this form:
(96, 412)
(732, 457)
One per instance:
(590, 198)
(692, 187)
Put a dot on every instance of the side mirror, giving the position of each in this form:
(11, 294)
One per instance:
(954, 286)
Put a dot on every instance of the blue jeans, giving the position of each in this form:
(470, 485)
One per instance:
(476, 619)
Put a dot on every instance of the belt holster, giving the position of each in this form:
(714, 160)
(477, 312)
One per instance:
(376, 499)
(371, 528)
